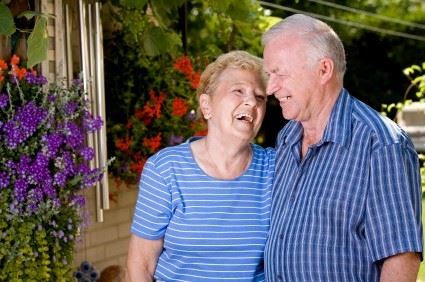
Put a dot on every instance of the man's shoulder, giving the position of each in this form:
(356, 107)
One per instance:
(382, 129)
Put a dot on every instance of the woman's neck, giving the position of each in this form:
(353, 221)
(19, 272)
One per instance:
(222, 160)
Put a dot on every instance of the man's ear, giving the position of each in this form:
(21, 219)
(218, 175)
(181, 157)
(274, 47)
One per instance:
(204, 102)
(326, 69)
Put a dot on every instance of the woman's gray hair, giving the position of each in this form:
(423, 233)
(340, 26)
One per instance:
(320, 38)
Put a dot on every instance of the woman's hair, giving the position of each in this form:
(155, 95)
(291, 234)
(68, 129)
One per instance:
(237, 59)
(320, 39)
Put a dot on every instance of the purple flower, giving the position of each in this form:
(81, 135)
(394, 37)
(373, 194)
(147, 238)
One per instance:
(21, 187)
(10, 165)
(23, 167)
(69, 167)
(87, 153)
(49, 190)
(4, 180)
(52, 143)
(70, 108)
(74, 136)
(90, 176)
(34, 79)
(4, 100)
(23, 124)
(35, 196)
(77, 200)
(78, 83)
(59, 179)
(30, 78)
(175, 139)
(91, 124)
(51, 98)
(39, 169)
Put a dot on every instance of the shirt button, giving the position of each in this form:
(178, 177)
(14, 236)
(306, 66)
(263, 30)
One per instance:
(279, 277)
(281, 236)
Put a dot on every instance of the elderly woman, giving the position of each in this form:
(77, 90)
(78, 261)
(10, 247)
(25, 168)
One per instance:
(203, 208)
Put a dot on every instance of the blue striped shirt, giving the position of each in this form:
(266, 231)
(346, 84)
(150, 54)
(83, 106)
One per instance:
(353, 200)
(214, 230)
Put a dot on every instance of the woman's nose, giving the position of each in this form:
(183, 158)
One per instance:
(249, 99)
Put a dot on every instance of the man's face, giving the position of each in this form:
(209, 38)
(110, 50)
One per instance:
(291, 80)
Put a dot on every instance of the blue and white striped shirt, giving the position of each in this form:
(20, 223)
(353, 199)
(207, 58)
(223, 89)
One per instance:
(353, 200)
(214, 230)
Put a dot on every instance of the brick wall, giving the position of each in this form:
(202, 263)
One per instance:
(105, 243)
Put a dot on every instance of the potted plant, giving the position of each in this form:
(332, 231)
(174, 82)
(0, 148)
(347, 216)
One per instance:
(44, 166)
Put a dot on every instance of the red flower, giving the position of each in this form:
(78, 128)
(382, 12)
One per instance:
(14, 61)
(195, 79)
(137, 166)
(179, 107)
(152, 109)
(152, 143)
(3, 65)
(123, 144)
(184, 65)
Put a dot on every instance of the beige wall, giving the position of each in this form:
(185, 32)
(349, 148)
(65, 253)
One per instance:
(105, 243)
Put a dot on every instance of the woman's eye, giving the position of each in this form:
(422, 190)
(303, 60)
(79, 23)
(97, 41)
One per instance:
(260, 98)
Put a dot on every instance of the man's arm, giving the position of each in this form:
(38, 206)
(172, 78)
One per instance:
(142, 258)
(401, 268)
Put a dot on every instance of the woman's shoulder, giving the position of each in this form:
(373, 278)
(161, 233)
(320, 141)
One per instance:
(171, 154)
(263, 152)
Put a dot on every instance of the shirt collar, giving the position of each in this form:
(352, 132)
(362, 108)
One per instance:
(338, 129)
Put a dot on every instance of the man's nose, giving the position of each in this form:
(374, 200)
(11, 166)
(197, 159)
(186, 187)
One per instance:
(272, 86)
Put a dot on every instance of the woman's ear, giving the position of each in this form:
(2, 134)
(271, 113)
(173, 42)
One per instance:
(204, 102)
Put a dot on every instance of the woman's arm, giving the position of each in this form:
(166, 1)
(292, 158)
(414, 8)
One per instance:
(142, 258)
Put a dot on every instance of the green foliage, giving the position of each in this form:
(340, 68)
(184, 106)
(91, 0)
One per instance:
(27, 246)
(7, 25)
(157, 41)
(37, 40)
(133, 4)
(37, 43)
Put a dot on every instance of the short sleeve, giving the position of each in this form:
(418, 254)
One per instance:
(393, 213)
(153, 207)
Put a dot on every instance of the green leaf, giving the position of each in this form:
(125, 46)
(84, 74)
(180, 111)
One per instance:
(37, 43)
(156, 41)
(219, 5)
(28, 14)
(31, 14)
(7, 25)
(133, 4)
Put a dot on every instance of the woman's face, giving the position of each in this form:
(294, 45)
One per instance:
(237, 105)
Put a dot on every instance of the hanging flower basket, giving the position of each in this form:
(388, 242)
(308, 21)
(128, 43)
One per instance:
(43, 169)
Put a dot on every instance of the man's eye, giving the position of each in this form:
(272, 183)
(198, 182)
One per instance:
(239, 91)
